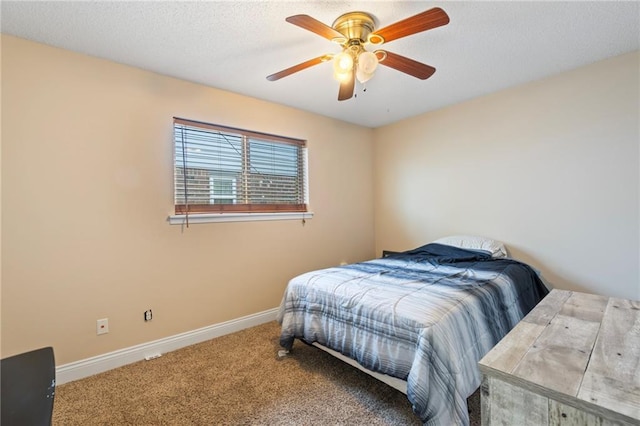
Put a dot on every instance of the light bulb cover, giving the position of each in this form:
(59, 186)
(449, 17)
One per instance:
(367, 62)
(342, 63)
(342, 76)
(363, 76)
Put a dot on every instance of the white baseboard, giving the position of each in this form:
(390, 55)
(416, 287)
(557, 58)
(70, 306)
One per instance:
(98, 364)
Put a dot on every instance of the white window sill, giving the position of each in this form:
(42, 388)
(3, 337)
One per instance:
(237, 217)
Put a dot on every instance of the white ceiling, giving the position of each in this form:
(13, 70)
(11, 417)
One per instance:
(234, 45)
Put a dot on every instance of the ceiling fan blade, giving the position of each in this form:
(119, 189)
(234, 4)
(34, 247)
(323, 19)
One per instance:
(315, 26)
(299, 67)
(426, 20)
(346, 87)
(406, 65)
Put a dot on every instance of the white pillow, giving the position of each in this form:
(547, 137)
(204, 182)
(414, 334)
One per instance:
(471, 242)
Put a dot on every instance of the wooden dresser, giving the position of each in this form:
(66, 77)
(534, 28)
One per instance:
(573, 360)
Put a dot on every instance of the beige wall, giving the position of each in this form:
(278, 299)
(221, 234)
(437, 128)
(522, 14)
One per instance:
(550, 168)
(87, 187)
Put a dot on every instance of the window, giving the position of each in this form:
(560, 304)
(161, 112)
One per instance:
(224, 170)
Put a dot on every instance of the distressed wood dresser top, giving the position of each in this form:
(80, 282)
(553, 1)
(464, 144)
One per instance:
(577, 348)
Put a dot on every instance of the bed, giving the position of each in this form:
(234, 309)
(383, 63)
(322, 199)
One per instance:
(423, 317)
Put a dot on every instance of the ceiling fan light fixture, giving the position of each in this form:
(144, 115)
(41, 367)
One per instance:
(343, 76)
(342, 63)
(366, 66)
(367, 62)
(362, 76)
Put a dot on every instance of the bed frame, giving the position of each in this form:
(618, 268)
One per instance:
(394, 382)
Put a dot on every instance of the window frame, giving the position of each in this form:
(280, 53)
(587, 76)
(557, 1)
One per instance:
(223, 212)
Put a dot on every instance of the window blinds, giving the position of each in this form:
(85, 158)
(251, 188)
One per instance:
(222, 169)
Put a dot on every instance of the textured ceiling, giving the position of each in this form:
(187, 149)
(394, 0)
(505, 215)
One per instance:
(234, 45)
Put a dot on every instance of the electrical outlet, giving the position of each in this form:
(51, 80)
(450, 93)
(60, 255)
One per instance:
(102, 326)
(148, 315)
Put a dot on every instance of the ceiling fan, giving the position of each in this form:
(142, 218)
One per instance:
(353, 31)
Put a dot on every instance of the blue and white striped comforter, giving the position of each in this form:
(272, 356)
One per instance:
(426, 316)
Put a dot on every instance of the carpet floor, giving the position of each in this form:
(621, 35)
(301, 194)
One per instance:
(236, 379)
